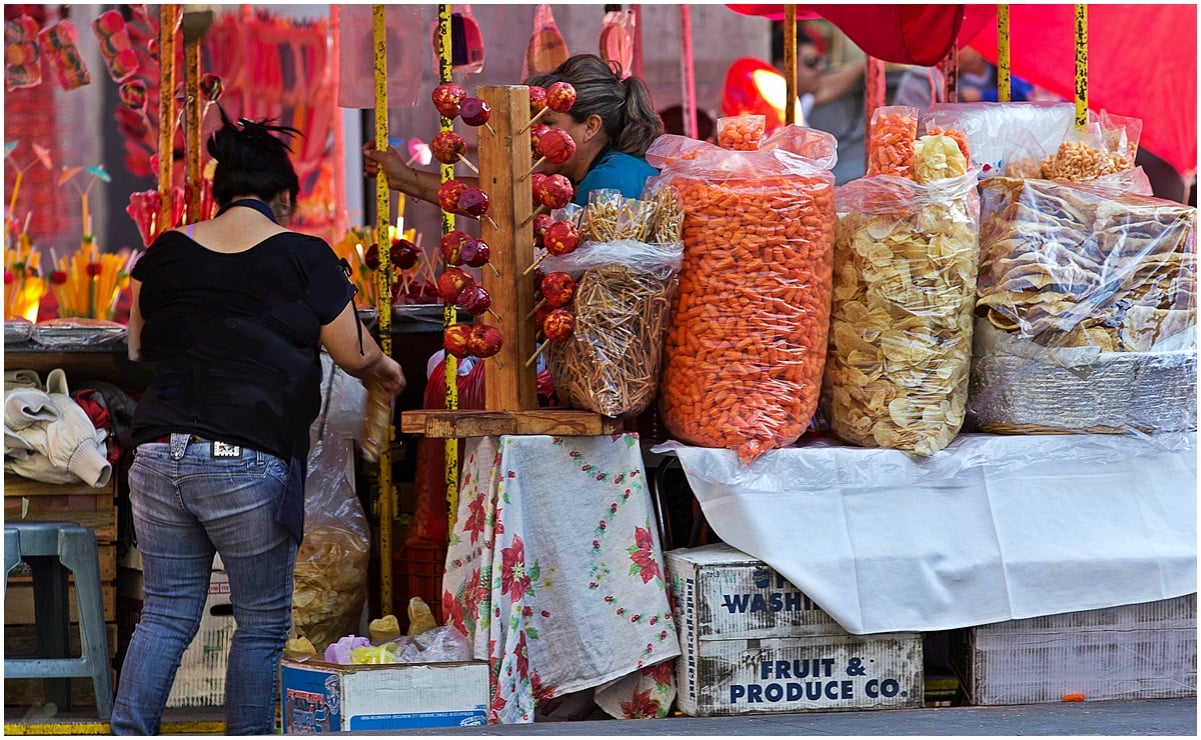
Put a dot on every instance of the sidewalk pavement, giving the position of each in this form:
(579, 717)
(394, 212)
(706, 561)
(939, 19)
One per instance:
(1146, 717)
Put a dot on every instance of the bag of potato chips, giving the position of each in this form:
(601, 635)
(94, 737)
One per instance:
(904, 290)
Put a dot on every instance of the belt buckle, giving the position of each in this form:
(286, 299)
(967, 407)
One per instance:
(179, 444)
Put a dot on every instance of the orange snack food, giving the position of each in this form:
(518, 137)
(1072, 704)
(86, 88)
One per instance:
(741, 133)
(746, 345)
(890, 141)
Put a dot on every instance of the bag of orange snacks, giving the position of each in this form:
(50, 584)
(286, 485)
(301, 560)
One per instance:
(746, 342)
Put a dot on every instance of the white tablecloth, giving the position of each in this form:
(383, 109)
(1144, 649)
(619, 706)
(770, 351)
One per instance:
(990, 529)
(554, 571)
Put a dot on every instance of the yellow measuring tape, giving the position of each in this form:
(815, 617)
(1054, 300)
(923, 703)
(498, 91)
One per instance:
(387, 492)
(1081, 65)
(1004, 88)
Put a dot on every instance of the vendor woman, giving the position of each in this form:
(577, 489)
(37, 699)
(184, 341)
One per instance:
(612, 122)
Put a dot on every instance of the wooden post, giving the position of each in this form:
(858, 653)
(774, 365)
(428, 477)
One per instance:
(504, 156)
(790, 64)
(167, 19)
(191, 129)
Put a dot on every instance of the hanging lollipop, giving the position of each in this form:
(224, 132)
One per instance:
(41, 156)
(448, 148)
(419, 152)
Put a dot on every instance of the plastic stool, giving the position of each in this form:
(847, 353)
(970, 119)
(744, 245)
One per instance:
(50, 549)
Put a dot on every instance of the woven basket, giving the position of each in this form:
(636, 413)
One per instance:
(1020, 387)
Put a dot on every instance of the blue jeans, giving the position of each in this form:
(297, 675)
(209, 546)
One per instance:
(184, 511)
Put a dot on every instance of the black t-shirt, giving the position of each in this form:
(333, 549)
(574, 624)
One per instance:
(236, 339)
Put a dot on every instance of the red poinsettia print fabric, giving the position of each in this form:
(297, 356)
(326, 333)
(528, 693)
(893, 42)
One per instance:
(555, 573)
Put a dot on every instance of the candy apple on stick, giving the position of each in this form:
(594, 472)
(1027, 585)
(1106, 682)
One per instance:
(474, 202)
(456, 339)
(561, 237)
(557, 289)
(560, 96)
(448, 98)
(477, 253)
(476, 112)
(448, 195)
(448, 148)
(557, 326)
(485, 341)
(475, 300)
(452, 282)
(451, 246)
(555, 146)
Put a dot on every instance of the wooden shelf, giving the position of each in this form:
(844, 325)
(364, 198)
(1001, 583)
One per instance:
(443, 424)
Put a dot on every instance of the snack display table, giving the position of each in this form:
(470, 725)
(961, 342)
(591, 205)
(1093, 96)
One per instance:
(990, 529)
(554, 570)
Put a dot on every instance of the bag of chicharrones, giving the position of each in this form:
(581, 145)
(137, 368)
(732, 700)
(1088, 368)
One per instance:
(746, 341)
(905, 260)
(618, 284)
(1086, 310)
(1102, 153)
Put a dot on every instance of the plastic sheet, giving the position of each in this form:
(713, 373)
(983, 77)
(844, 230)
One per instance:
(330, 577)
(610, 364)
(905, 260)
(746, 344)
(1078, 278)
(998, 133)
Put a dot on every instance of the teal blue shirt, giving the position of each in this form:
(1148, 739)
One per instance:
(615, 170)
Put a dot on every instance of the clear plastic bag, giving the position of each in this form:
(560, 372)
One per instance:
(330, 576)
(546, 49)
(746, 343)
(625, 278)
(1000, 133)
(1088, 304)
(905, 260)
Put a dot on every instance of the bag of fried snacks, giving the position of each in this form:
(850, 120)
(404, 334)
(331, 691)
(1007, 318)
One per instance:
(330, 575)
(905, 259)
(746, 341)
(623, 277)
(1087, 307)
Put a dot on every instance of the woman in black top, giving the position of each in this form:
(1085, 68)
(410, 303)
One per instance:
(234, 313)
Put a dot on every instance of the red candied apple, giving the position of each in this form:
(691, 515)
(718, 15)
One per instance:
(451, 283)
(475, 112)
(536, 133)
(447, 147)
(556, 145)
(542, 222)
(474, 299)
(371, 257)
(473, 202)
(404, 254)
(558, 289)
(448, 195)
(555, 191)
(560, 96)
(475, 252)
(558, 325)
(541, 312)
(485, 341)
(561, 238)
(451, 246)
(537, 99)
(448, 98)
(456, 339)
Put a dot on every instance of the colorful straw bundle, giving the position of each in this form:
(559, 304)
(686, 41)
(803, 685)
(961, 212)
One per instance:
(24, 285)
(88, 283)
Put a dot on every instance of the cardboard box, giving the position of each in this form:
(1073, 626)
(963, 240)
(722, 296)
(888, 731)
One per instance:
(752, 643)
(317, 697)
(200, 680)
(1135, 651)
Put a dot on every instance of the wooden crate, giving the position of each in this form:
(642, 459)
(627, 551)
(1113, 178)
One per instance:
(21, 640)
(30, 500)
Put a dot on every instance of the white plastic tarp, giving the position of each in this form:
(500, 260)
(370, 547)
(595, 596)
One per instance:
(990, 529)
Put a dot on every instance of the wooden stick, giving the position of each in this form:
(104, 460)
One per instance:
(470, 166)
(534, 356)
(534, 120)
(534, 265)
(537, 164)
(534, 310)
(534, 214)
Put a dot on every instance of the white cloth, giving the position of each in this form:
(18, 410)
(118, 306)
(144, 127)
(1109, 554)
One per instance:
(48, 437)
(555, 573)
(990, 529)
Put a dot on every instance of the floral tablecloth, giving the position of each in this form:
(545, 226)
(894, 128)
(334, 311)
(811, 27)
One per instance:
(554, 571)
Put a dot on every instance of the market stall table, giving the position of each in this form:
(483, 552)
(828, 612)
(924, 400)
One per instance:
(554, 570)
(990, 529)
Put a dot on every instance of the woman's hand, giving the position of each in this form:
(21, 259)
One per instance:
(390, 162)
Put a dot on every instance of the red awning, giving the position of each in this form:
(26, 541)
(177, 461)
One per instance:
(904, 34)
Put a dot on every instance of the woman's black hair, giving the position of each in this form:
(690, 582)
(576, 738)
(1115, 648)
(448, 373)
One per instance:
(252, 159)
(624, 106)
